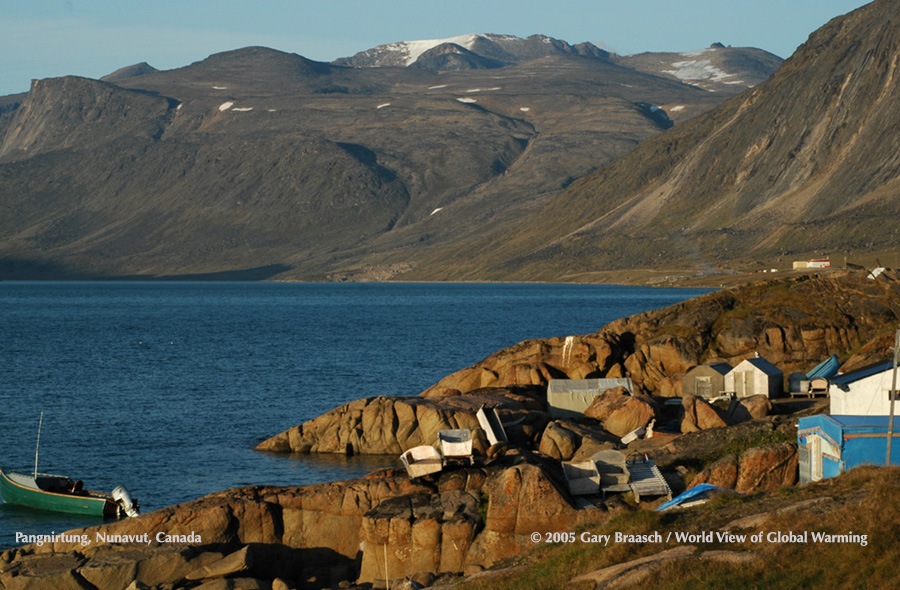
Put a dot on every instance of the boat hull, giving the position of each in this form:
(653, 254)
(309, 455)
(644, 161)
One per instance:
(88, 503)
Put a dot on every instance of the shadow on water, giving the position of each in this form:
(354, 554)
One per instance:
(31, 269)
(334, 466)
(259, 273)
(13, 268)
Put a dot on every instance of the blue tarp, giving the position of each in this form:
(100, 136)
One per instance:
(826, 369)
(691, 493)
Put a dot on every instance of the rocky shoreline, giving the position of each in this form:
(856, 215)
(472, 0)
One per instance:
(386, 528)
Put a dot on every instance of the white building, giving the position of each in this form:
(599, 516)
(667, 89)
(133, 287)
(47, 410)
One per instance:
(755, 376)
(818, 263)
(863, 392)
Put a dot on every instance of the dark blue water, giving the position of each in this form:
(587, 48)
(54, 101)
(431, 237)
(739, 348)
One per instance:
(166, 387)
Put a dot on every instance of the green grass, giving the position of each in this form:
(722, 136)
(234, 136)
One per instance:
(737, 446)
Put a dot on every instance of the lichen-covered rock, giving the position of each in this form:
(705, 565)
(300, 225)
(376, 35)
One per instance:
(423, 532)
(393, 424)
(758, 469)
(767, 468)
(722, 473)
(620, 412)
(698, 414)
(559, 442)
(749, 408)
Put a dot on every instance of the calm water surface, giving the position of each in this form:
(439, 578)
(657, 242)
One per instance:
(166, 387)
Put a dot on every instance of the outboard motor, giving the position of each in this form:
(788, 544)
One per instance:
(123, 498)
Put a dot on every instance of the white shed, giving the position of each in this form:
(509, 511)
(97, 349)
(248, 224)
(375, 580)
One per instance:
(755, 376)
(863, 392)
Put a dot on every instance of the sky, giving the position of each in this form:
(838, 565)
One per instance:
(92, 38)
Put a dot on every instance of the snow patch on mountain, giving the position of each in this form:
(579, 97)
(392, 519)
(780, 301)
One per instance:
(411, 50)
(699, 69)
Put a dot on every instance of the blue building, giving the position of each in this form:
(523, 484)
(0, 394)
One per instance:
(830, 445)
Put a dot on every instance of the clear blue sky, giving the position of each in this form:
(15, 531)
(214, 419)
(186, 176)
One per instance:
(47, 38)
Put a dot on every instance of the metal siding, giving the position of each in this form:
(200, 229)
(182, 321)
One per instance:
(862, 451)
(804, 465)
(831, 468)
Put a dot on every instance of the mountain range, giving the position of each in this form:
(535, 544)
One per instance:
(477, 157)
(716, 68)
(803, 165)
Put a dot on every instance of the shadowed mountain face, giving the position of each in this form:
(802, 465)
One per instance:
(807, 162)
(256, 158)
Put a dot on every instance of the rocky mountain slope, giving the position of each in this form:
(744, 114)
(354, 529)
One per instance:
(260, 163)
(800, 165)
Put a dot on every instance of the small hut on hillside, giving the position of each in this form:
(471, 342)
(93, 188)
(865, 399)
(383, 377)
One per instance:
(706, 381)
(755, 376)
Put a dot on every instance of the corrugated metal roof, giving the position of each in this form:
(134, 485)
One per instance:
(862, 373)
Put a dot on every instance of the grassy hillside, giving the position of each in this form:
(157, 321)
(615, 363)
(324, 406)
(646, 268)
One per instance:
(863, 502)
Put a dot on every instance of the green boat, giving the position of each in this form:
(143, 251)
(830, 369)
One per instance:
(59, 493)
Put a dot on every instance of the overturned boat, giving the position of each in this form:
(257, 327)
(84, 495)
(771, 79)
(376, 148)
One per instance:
(456, 443)
(422, 460)
(58, 493)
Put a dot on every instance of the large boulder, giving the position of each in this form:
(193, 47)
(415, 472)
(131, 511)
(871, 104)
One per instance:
(559, 442)
(425, 532)
(759, 469)
(722, 473)
(767, 468)
(698, 414)
(749, 408)
(620, 412)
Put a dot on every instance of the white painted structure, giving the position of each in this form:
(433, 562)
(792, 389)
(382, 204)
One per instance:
(755, 376)
(864, 392)
(818, 263)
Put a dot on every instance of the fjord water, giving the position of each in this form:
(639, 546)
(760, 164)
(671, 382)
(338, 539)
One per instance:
(165, 387)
